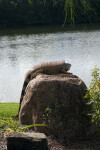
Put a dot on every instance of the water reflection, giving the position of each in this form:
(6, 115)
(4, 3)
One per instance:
(20, 52)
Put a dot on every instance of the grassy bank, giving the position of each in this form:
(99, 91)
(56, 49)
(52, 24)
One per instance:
(7, 111)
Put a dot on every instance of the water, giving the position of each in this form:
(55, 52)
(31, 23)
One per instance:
(21, 49)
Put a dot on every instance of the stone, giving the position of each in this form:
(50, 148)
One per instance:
(26, 141)
(57, 101)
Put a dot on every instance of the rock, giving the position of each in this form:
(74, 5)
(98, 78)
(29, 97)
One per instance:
(58, 101)
(26, 141)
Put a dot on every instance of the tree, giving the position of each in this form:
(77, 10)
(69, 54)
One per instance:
(72, 8)
(33, 12)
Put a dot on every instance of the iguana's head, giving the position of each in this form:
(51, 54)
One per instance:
(66, 66)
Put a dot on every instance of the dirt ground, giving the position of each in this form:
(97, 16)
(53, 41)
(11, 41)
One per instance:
(3, 142)
(92, 143)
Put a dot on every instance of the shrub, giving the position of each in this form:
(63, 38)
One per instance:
(94, 96)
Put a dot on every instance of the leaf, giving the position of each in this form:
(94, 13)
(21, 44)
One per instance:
(92, 120)
(30, 2)
(29, 126)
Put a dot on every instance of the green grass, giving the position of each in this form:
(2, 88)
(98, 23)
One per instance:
(7, 111)
(8, 120)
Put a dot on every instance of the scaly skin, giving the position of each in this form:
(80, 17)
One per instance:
(49, 69)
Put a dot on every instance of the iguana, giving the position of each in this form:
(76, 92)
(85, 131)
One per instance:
(45, 68)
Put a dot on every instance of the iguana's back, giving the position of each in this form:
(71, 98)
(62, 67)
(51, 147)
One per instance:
(50, 68)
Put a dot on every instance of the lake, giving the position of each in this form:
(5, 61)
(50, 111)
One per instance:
(21, 49)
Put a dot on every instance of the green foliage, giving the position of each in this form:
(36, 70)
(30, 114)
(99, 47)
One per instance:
(94, 95)
(73, 8)
(14, 125)
(8, 121)
(7, 111)
(33, 12)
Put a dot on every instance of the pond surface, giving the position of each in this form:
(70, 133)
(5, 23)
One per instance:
(21, 49)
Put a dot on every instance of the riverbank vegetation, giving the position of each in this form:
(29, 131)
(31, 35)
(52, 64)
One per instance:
(47, 12)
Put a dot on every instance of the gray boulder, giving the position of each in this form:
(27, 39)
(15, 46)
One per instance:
(57, 101)
(26, 141)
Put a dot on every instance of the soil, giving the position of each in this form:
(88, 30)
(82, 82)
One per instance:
(90, 143)
(3, 142)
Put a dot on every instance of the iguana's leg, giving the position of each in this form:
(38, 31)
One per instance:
(64, 71)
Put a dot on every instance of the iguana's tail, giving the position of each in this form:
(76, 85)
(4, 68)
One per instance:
(27, 79)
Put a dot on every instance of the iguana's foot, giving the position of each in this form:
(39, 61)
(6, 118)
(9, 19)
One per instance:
(64, 71)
